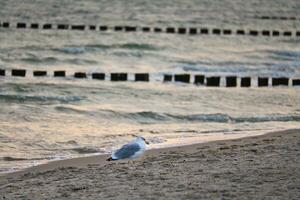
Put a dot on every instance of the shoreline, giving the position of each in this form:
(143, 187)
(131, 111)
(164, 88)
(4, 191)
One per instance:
(255, 167)
(101, 159)
(97, 159)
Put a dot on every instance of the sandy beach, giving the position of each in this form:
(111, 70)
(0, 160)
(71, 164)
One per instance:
(260, 167)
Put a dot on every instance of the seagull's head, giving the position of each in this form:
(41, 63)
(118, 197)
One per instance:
(142, 139)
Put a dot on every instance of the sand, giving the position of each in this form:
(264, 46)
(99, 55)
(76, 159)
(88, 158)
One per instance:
(260, 167)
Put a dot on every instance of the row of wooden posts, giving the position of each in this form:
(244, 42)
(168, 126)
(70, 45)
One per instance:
(170, 30)
(199, 79)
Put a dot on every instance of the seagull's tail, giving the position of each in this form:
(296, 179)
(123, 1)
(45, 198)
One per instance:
(110, 159)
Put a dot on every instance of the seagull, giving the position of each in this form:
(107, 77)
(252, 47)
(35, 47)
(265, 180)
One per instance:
(133, 149)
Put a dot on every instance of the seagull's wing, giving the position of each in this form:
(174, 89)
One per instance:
(127, 151)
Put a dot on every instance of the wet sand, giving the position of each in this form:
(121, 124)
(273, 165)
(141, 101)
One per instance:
(260, 167)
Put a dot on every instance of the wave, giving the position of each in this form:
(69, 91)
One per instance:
(140, 117)
(70, 110)
(37, 60)
(271, 69)
(9, 158)
(90, 48)
(268, 118)
(148, 117)
(218, 117)
(224, 118)
(45, 99)
(78, 150)
(286, 55)
(54, 60)
(126, 54)
(137, 46)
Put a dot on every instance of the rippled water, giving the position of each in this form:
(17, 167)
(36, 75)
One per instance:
(43, 119)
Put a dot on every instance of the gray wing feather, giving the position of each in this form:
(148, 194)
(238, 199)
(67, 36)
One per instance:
(127, 151)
